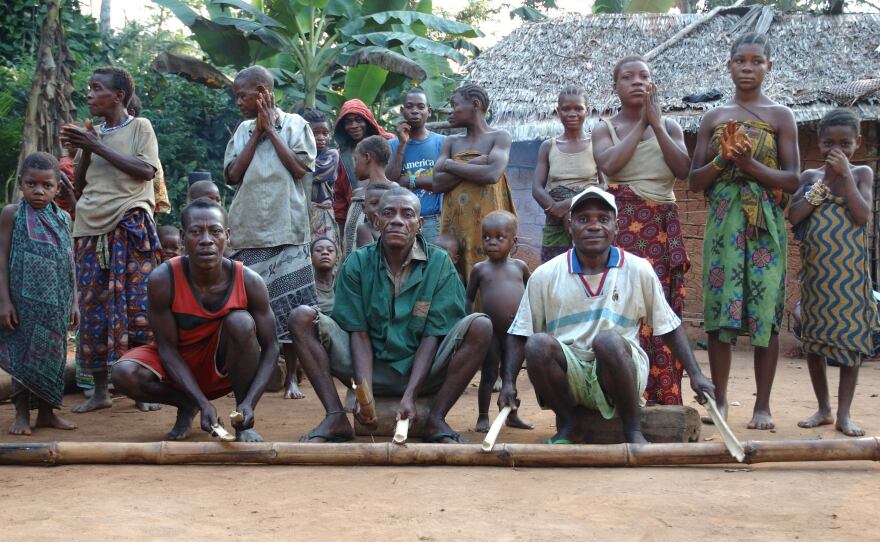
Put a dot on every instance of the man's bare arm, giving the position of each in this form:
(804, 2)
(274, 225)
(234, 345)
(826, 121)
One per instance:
(165, 332)
(511, 364)
(421, 367)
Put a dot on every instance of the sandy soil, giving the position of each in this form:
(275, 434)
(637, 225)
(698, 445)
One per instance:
(831, 501)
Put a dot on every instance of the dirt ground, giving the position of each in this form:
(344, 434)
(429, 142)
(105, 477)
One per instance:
(830, 501)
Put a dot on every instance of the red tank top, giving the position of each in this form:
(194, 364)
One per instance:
(195, 323)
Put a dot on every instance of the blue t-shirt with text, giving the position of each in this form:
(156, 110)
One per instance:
(418, 160)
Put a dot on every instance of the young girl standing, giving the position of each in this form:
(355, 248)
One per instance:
(641, 154)
(744, 247)
(37, 295)
(323, 178)
(831, 210)
(565, 167)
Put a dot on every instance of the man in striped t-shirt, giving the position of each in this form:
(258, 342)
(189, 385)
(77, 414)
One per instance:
(578, 326)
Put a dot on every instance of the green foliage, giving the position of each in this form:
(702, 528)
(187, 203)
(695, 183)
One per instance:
(15, 85)
(192, 123)
(20, 22)
(527, 13)
(633, 6)
(474, 13)
(308, 42)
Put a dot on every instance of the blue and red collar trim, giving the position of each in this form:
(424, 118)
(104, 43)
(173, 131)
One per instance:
(615, 259)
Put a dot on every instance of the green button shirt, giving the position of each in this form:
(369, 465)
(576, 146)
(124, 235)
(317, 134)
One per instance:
(430, 302)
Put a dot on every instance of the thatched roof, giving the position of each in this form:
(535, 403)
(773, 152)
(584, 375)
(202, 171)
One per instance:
(816, 61)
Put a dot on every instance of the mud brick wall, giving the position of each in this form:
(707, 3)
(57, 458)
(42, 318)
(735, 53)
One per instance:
(693, 211)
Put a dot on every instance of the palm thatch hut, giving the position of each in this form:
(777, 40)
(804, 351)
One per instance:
(819, 62)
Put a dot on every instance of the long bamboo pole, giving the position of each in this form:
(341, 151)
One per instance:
(388, 454)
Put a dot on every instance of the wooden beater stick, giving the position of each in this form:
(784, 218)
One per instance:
(489, 441)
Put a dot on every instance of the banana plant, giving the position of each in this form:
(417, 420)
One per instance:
(361, 47)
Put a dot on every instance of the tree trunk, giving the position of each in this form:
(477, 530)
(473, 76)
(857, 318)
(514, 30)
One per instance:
(104, 23)
(49, 104)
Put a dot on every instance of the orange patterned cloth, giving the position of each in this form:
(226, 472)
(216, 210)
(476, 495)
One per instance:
(464, 208)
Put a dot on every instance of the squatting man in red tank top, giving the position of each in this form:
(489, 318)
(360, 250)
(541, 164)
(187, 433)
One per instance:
(214, 331)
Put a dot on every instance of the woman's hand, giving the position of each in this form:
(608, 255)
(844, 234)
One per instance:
(79, 138)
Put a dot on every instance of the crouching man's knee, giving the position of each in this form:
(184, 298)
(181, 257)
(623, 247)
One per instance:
(239, 325)
(301, 318)
(540, 350)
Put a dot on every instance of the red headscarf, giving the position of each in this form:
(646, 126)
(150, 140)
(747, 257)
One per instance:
(356, 107)
(342, 187)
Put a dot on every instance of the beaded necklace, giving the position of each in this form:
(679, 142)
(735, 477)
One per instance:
(104, 130)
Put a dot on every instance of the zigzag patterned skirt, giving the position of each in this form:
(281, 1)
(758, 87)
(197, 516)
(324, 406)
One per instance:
(838, 312)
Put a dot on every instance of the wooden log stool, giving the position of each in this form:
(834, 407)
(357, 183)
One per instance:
(660, 423)
(386, 412)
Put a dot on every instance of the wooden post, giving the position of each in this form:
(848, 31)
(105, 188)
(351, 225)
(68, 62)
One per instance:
(461, 455)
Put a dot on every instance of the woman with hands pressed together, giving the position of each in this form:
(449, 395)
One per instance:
(641, 153)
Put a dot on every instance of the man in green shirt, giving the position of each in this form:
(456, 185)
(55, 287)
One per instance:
(399, 325)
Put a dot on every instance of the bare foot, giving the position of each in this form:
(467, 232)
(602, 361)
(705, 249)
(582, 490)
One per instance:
(513, 420)
(333, 428)
(848, 427)
(482, 423)
(293, 391)
(95, 402)
(761, 420)
(496, 387)
(248, 435)
(21, 425)
(722, 409)
(817, 419)
(183, 425)
(50, 419)
(438, 431)
(147, 407)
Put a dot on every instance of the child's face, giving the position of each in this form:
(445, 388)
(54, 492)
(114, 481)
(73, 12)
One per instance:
(39, 187)
(371, 204)
(361, 166)
(498, 239)
(246, 94)
(322, 135)
(450, 246)
(324, 255)
(210, 192)
(170, 242)
(842, 138)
